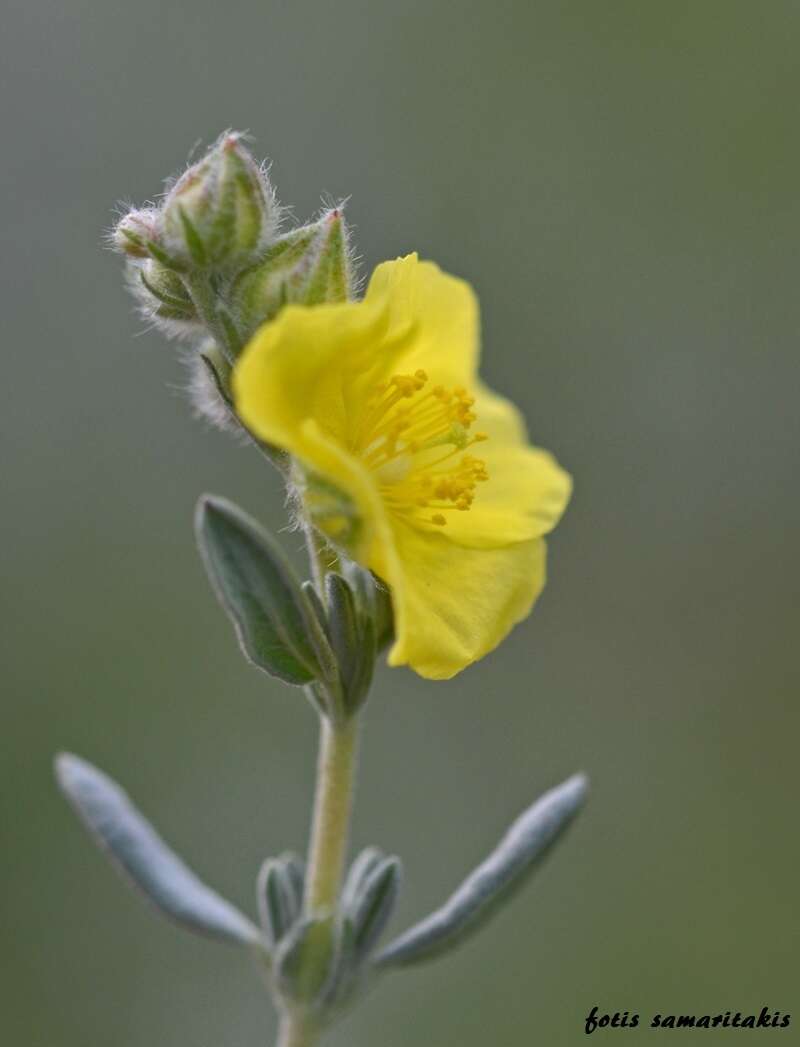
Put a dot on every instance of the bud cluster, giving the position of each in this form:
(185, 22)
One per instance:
(211, 264)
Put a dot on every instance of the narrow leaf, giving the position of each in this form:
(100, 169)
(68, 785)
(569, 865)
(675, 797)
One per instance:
(373, 598)
(142, 856)
(280, 895)
(357, 874)
(275, 624)
(351, 631)
(340, 981)
(495, 879)
(375, 904)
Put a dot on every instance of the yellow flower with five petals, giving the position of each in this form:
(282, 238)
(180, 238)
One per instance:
(406, 461)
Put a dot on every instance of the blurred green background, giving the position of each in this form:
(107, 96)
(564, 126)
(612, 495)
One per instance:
(620, 182)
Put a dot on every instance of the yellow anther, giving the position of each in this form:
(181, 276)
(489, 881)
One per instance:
(414, 443)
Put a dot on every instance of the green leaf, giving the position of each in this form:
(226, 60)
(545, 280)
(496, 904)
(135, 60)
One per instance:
(143, 858)
(358, 872)
(490, 885)
(374, 904)
(351, 631)
(274, 622)
(305, 960)
(280, 895)
(373, 599)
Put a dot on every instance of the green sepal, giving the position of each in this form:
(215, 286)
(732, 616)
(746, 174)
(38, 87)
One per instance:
(328, 277)
(306, 266)
(274, 622)
(261, 290)
(166, 287)
(219, 371)
(157, 251)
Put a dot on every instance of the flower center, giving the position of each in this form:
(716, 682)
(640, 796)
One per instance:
(414, 440)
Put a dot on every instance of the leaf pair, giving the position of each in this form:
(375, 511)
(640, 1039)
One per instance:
(368, 897)
(318, 959)
(327, 641)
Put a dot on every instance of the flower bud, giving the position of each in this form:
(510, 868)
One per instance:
(220, 212)
(328, 277)
(163, 287)
(307, 266)
(135, 231)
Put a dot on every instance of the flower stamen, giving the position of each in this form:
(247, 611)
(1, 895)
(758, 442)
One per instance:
(397, 434)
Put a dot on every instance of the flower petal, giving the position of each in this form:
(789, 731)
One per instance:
(527, 491)
(524, 498)
(322, 361)
(305, 382)
(454, 605)
(444, 312)
(297, 367)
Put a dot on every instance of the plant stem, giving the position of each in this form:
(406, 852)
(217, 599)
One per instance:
(202, 293)
(330, 826)
(333, 804)
(296, 1031)
(322, 557)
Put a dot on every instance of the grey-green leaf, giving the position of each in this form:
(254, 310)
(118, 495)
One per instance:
(275, 624)
(142, 856)
(352, 637)
(305, 958)
(358, 872)
(494, 880)
(374, 905)
(280, 895)
(373, 599)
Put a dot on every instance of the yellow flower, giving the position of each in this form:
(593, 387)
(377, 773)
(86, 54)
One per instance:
(406, 460)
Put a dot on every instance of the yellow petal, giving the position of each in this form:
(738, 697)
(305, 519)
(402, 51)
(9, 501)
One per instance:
(527, 491)
(299, 366)
(322, 361)
(524, 497)
(305, 383)
(454, 605)
(444, 312)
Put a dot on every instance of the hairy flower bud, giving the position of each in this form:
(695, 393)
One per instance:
(307, 266)
(328, 276)
(135, 231)
(166, 288)
(163, 298)
(221, 212)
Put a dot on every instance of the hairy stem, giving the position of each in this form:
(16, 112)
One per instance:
(333, 804)
(322, 557)
(218, 324)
